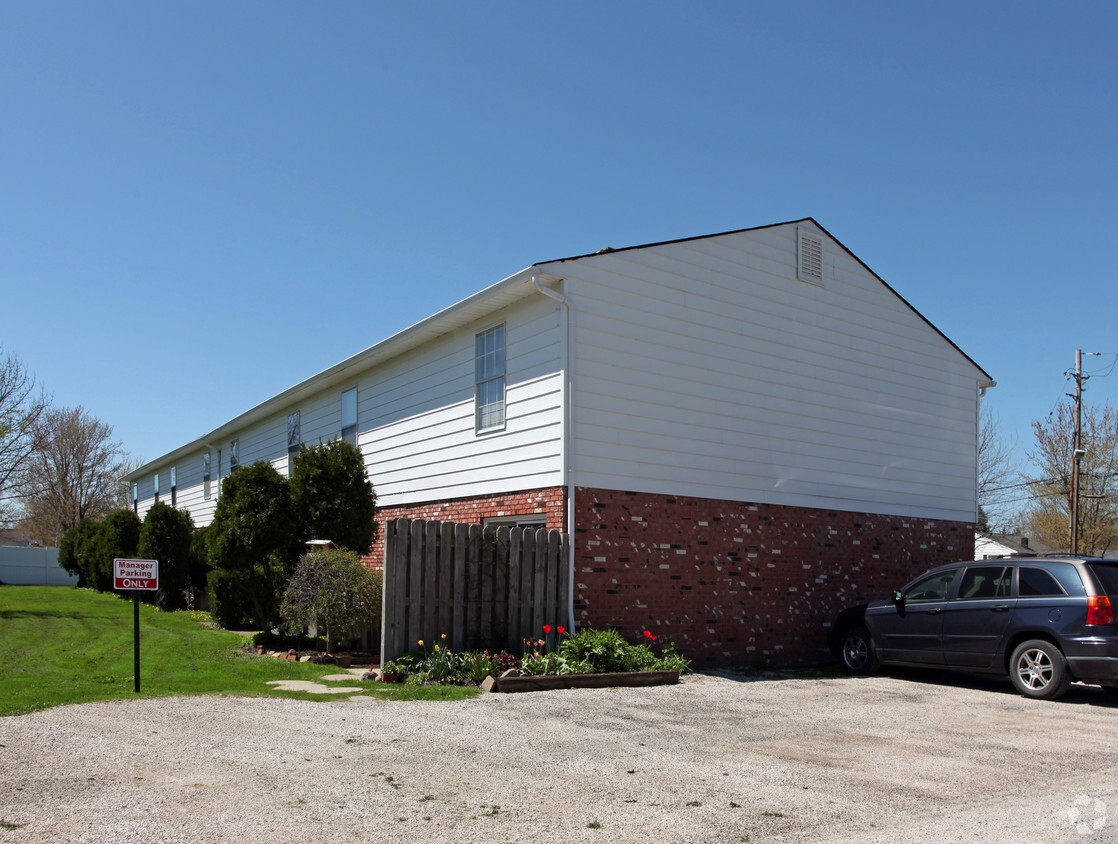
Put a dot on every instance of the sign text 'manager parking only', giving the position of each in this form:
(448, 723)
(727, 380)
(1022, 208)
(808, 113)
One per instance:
(135, 574)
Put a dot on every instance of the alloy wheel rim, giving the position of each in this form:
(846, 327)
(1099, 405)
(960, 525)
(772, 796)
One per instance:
(1034, 668)
(856, 652)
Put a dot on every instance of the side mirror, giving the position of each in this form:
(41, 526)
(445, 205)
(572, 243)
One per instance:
(898, 597)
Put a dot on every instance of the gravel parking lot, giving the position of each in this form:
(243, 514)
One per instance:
(908, 757)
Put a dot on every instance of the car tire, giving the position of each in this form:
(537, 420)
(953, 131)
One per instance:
(1038, 670)
(856, 652)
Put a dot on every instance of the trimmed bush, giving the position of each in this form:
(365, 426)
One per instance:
(166, 536)
(253, 541)
(332, 496)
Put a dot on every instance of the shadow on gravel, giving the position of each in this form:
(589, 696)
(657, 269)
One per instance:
(1078, 695)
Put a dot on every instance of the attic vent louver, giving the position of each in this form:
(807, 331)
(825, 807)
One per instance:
(809, 256)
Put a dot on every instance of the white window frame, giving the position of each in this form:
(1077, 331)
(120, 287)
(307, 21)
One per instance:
(349, 415)
(490, 371)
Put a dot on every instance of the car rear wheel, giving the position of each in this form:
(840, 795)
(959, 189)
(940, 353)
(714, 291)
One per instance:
(1038, 670)
(857, 654)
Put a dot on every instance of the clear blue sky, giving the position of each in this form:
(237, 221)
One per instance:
(203, 203)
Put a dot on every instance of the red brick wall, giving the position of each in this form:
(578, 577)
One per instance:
(550, 502)
(737, 583)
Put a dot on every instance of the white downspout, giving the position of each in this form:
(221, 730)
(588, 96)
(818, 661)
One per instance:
(568, 418)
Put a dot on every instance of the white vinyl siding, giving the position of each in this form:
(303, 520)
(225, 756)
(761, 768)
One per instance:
(418, 433)
(416, 419)
(703, 368)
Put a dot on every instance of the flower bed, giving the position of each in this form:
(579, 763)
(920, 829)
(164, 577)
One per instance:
(587, 659)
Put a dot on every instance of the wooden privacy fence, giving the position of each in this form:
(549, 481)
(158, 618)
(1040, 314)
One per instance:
(483, 587)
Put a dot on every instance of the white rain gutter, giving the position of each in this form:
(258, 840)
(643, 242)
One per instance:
(568, 418)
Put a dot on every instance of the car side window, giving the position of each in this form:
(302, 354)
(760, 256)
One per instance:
(1033, 582)
(931, 588)
(984, 582)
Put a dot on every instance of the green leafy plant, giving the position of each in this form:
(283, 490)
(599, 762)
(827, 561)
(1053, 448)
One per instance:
(331, 589)
(604, 651)
(475, 666)
(440, 666)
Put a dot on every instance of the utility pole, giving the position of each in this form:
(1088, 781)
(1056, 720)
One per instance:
(1073, 535)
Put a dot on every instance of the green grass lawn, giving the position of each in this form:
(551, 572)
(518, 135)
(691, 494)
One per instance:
(61, 645)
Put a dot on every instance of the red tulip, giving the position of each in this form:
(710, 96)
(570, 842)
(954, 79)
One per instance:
(560, 630)
(547, 628)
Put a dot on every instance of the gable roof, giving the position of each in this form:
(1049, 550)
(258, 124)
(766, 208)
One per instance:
(609, 251)
(472, 308)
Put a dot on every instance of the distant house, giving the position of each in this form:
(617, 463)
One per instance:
(742, 432)
(993, 545)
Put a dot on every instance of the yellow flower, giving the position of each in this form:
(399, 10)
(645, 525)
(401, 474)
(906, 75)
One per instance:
(421, 643)
(444, 635)
(436, 647)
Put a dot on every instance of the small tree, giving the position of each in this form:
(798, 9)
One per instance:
(166, 536)
(72, 474)
(333, 591)
(251, 544)
(119, 538)
(77, 553)
(333, 497)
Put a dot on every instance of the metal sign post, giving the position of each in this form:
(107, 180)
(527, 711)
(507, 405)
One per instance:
(138, 576)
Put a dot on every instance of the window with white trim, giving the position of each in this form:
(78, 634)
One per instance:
(156, 487)
(206, 476)
(174, 485)
(294, 439)
(135, 498)
(234, 454)
(349, 416)
(489, 376)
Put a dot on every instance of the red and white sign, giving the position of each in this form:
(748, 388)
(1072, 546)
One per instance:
(135, 574)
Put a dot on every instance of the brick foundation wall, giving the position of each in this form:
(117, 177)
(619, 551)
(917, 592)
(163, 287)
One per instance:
(549, 502)
(737, 583)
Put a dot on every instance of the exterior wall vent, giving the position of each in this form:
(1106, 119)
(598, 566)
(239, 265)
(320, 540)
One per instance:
(809, 256)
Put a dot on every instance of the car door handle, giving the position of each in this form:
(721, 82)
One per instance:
(935, 611)
(1000, 608)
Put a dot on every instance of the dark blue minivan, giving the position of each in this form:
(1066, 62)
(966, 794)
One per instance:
(1045, 621)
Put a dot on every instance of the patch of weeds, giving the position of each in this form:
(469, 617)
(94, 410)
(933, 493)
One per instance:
(494, 811)
(734, 805)
(695, 803)
(772, 814)
(9, 825)
(387, 778)
(426, 797)
(593, 825)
